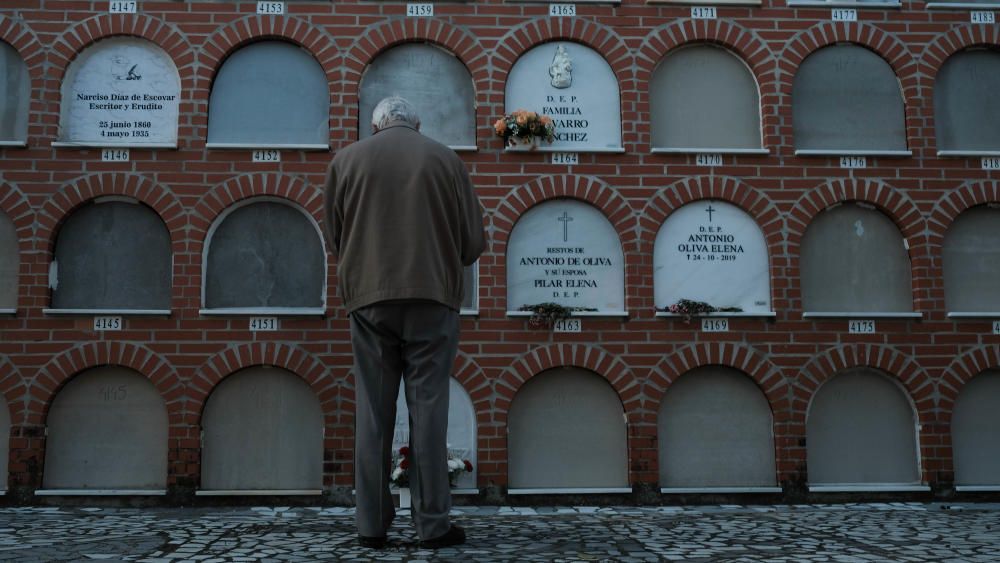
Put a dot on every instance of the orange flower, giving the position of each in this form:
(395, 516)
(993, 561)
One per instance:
(500, 126)
(545, 120)
(521, 118)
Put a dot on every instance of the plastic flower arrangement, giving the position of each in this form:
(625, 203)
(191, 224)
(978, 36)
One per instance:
(525, 125)
(400, 475)
(546, 314)
(689, 308)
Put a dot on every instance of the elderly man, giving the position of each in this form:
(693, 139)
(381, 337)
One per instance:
(403, 220)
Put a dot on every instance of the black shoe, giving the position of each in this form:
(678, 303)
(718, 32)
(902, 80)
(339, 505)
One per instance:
(454, 536)
(372, 542)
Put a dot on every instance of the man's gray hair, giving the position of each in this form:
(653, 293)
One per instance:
(394, 108)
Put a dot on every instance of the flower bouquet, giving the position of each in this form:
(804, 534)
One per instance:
(689, 308)
(523, 126)
(400, 475)
(546, 314)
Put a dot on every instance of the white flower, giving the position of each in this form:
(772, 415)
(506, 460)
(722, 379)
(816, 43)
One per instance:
(455, 464)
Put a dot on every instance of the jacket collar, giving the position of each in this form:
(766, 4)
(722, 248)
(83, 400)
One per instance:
(394, 124)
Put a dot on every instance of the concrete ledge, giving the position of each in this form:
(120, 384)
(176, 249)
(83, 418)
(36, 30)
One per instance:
(977, 315)
(102, 312)
(571, 491)
(266, 146)
(978, 488)
(961, 153)
(868, 488)
(100, 492)
(848, 152)
(264, 312)
(710, 490)
(859, 316)
(750, 315)
(15, 144)
(527, 314)
(258, 492)
(685, 150)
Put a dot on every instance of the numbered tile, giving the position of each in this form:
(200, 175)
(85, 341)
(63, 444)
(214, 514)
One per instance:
(565, 158)
(861, 327)
(982, 17)
(996, 327)
(715, 325)
(708, 160)
(853, 162)
(107, 323)
(420, 10)
(562, 9)
(271, 8)
(263, 324)
(844, 15)
(267, 155)
(703, 13)
(991, 163)
(122, 6)
(114, 155)
(567, 325)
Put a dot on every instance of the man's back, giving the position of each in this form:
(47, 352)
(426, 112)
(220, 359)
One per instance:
(403, 219)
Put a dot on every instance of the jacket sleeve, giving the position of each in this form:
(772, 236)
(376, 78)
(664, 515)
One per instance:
(473, 233)
(332, 214)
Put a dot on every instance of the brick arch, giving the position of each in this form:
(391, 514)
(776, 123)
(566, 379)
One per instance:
(896, 204)
(962, 370)
(79, 191)
(15, 206)
(742, 42)
(290, 357)
(957, 38)
(13, 388)
(23, 39)
(593, 358)
(211, 205)
(726, 188)
(588, 189)
(84, 33)
(884, 44)
(902, 367)
(54, 375)
(955, 202)
(380, 37)
(255, 27)
(746, 359)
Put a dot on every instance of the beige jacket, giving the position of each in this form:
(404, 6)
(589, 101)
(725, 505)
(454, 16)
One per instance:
(402, 218)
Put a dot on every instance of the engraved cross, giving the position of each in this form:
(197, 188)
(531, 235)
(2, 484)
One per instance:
(709, 210)
(565, 221)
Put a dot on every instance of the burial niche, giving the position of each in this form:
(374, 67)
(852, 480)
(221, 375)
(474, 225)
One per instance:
(121, 91)
(971, 255)
(704, 98)
(270, 94)
(113, 253)
(566, 429)
(576, 87)
(263, 429)
(107, 429)
(853, 259)
(470, 288)
(9, 263)
(434, 80)
(861, 429)
(965, 110)
(16, 96)
(846, 98)
(461, 429)
(565, 251)
(265, 254)
(712, 251)
(974, 437)
(715, 430)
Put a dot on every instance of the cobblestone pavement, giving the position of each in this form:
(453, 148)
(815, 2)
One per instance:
(848, 532)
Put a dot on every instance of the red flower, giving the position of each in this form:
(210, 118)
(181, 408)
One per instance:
(404, 451)
(468, 465)
(405, 464)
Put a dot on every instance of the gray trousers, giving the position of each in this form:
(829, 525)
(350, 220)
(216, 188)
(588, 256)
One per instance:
(415, 341)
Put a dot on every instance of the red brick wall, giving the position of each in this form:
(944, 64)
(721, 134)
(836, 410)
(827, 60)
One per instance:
(186, 354)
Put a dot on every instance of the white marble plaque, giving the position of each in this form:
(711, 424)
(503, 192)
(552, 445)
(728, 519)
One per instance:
(461, 428)
(712, 251)
(576, 87)
(566, 252)
(121, 92)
